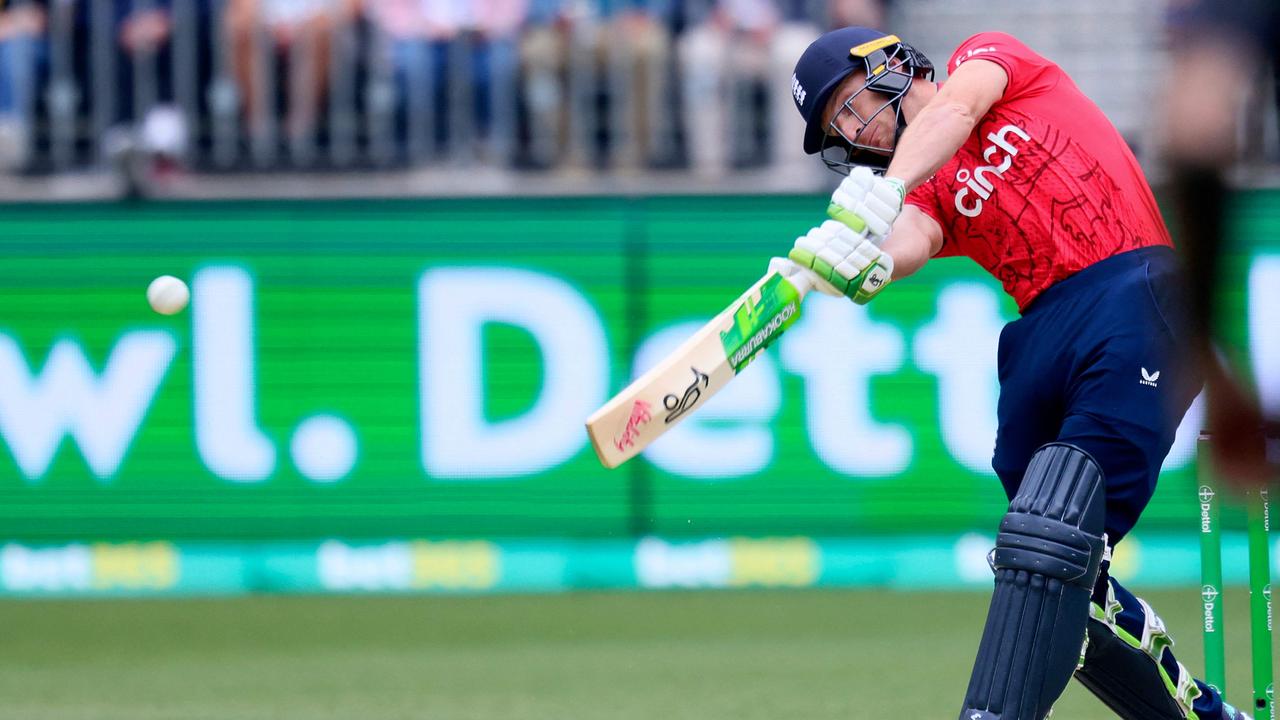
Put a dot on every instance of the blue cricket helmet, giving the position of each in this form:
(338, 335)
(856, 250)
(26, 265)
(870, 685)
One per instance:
(890, 66)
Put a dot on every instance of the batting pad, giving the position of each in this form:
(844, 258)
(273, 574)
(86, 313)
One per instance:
(1046, 562)
(1133, 670)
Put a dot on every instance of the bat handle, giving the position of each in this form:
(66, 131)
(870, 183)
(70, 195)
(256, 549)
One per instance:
(801, 278)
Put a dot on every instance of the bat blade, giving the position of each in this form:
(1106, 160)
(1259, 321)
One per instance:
(686, 379)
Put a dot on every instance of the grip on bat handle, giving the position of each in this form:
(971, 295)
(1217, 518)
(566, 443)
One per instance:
(801, 278)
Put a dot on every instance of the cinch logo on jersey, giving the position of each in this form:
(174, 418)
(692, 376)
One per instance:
(797, 90)
(978, 183)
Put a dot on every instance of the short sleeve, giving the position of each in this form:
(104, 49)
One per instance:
(1029, 72)
(925, 198)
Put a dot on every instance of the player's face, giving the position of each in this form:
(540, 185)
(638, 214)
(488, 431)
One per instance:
(862, 117)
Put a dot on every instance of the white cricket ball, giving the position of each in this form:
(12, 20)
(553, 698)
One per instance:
(168, 295)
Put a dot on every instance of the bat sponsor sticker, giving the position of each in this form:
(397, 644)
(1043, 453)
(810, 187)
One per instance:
(640, 416)
(756, 324)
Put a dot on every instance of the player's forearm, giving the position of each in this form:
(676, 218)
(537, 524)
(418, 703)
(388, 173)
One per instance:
(909, 251)
(931, 139)
(916, 237)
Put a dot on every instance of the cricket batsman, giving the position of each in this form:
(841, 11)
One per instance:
(1008, 163)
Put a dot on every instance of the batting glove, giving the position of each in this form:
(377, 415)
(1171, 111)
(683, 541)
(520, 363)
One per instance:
(868, 202)
(846, 263)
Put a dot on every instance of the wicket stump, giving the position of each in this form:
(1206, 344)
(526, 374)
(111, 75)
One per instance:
(1211, 586)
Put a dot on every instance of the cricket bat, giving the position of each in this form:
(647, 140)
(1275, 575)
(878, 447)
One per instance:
(706, 362)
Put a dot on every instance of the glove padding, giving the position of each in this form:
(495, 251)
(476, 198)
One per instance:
(846, 263)
(867, 202)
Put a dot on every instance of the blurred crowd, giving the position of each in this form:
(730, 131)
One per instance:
(537, 84)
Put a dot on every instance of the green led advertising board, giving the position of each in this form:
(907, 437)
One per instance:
(423, 368)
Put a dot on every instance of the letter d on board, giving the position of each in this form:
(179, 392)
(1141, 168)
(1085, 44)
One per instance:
(454, 304)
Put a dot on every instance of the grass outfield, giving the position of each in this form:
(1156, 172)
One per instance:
(636, 656)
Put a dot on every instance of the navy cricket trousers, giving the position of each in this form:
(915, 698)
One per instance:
(1100, 360)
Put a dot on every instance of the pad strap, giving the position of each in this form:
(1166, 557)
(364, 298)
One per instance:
(1049, 547)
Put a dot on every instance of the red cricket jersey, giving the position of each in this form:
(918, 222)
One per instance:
(1045, 186)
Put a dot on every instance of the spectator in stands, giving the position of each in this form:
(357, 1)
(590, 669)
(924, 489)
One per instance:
(632, 46)
(144, 34)
(491, 36)
(298, 36)
(544, 48)
(732, 46)
(863, 13)
(455, 63)
(123, 57)
(22, 53)
(626, 45)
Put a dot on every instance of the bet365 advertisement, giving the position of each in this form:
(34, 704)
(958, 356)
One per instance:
(423, 369)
